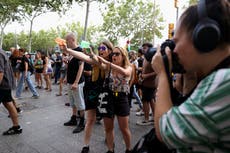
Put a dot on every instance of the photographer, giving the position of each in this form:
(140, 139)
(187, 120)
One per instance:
(201, 123)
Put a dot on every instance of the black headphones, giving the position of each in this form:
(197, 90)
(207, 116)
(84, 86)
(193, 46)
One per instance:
(206, 34)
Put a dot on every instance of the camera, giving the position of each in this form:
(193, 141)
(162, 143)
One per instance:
(176, 66)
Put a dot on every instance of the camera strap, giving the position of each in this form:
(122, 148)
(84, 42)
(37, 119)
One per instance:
(223, 64)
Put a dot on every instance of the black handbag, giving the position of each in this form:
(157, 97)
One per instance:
(149, 143)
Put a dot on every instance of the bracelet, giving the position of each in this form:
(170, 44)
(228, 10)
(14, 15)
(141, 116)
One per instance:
(91, 56)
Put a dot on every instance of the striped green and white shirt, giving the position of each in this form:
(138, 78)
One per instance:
(202, 123)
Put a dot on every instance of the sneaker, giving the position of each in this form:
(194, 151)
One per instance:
(144, 122)
(59, 94)
(48, 90)
(13, 130)
(128, 151)
(138, 109)
(85, 149)
(71, 122)
(67, 104)
(79, 128)
(140, 113)
(19, 110)
(35, 97)
(17, 98)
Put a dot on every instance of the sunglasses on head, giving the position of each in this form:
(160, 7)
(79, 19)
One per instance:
(116, 54)
(103, 48)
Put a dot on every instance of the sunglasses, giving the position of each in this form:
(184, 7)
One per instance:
(103, 48)
(116, 54)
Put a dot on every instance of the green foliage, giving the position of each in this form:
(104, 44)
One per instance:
(132, 19)
(8, 14)
(9, 41)
(192, 2)
(44, 40)
(13, 9)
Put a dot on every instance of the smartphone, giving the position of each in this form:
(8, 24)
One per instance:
(85, 44)
(87, 50)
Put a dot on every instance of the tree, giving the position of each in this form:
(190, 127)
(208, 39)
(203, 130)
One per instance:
(8, 11)
(132, 19)
(87, 14)
(192, 2)
(44, 40)
(34, 8)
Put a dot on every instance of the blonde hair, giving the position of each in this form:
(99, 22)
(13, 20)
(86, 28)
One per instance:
(125, 56)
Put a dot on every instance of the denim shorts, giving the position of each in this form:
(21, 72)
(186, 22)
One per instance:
(63, 74)
(76, 97)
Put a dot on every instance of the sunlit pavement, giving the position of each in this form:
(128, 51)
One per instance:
(43, 131)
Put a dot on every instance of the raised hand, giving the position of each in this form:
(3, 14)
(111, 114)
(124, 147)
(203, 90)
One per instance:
(62, 43)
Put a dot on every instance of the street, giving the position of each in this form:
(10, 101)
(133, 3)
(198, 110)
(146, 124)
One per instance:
(43, 131)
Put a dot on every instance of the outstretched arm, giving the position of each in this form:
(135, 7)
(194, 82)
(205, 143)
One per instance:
(81, 56)
(91, 59)
(106, 64)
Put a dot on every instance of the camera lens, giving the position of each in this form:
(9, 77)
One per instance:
(150, 53)
(176, 66)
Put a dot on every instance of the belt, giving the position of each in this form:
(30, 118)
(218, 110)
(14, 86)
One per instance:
(116, 94)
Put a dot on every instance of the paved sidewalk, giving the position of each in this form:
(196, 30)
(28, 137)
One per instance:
(43, 131)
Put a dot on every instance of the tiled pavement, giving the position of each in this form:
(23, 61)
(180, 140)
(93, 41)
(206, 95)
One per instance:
(43, 131)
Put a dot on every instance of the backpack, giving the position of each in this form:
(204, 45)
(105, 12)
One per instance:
(30, 67)
(149, 143)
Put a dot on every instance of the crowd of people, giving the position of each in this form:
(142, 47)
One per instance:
(189, 110)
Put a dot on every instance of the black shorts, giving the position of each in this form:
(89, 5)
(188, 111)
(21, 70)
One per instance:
(90, 103)
(5, 96)
(91, 93)
(118, 105)
(147, 94)
(111, 104)
(121, 104)
(39, 70)
(138, 86)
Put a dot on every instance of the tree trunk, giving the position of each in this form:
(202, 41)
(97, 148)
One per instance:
(154, 22)
(30, 36)
(2, 35)
(86, 20)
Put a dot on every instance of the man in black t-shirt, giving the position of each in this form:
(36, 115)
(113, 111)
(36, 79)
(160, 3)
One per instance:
(25, 73)
(75, 80)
